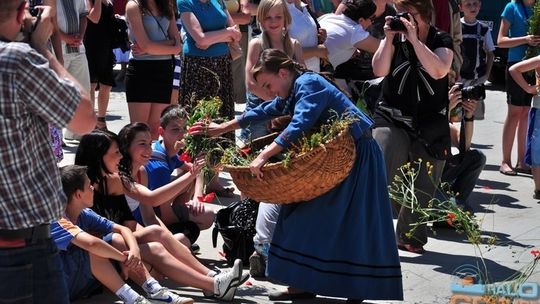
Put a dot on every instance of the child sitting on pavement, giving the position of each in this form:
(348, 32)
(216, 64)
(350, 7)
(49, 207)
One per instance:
(86, 258)
(185, 213)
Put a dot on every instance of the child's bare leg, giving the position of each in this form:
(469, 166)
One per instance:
(104, 272)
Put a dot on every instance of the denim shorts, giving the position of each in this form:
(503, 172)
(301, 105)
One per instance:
(78, 274)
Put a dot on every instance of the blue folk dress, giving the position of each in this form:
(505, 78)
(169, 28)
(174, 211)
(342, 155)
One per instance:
(341, 243)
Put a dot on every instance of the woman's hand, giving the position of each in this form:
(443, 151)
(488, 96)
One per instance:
(256, 165)
(388, 32)
(197, 165)
(412, 30)
(322, 51)
(209, 129)
(136, 49)
(533, 89)
(234, 33)
(533, 40)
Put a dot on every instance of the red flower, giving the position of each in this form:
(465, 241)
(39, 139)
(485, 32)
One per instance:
(535, 252)
(450, 218)
(185, 157)
(245, 151)
(207, 198)
(195, 129)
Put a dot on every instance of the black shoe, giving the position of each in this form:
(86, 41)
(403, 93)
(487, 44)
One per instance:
(286, 295)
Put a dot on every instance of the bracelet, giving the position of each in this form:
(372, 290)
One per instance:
(465, 118)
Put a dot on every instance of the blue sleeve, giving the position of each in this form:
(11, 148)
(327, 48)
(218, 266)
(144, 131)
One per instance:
(312, 97)
(63, 232)
(265, 111)
(91, 222)
(158, 174)
(184, 6)
(509, 12)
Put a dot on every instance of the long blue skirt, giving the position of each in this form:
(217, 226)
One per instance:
(342, 243)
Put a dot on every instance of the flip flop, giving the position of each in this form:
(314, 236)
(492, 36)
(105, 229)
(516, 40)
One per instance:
(509, 172)
(523, 170)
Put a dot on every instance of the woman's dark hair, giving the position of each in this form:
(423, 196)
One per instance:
(165, 7)
(356, 9)
(272, 60)
(125, 138)
(92, 148)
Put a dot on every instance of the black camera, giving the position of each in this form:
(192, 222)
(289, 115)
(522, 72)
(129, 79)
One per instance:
(476, 92)
(32, 6)
(396, 24)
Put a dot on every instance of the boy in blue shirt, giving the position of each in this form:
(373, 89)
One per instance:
(86, 258)
(186, 214)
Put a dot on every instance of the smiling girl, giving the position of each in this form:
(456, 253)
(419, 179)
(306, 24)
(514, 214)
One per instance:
(274, 19)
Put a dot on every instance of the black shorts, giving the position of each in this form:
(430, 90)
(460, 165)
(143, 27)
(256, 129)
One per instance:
(149, 81)
(515, 95)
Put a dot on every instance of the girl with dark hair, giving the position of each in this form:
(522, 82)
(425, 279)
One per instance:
(513, 35)
(100, 153)
(342, 240)
(155, 37)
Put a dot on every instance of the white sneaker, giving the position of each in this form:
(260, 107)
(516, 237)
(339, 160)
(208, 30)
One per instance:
(225, 283)
(164, 295)
(141, 300)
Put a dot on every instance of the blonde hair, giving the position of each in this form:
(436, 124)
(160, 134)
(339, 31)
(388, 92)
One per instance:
(264, 8)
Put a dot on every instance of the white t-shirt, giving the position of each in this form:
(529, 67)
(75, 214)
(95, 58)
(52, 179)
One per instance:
(342, 34)
(304, 29)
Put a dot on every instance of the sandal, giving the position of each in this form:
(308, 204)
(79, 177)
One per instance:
(418, 249)
(507, 171)
(526, 170)
(101, 123)
(225, 192)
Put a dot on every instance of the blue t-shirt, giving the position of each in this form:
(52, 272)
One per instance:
(64, 231)
(312, 101)
(517, 16)
(211, 17)
(160, 167)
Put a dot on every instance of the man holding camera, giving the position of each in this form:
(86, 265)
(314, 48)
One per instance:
(35, 90)
(461, 171)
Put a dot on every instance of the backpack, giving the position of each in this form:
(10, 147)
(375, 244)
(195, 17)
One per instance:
(236, 224)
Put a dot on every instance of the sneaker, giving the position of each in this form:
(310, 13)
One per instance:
(257, 267)
(164, 295)
(212, 273)
(225, 283)
(141, 300)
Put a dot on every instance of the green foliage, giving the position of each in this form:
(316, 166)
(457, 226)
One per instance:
(534, 29)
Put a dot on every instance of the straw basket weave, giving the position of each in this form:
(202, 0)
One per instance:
(307, 175)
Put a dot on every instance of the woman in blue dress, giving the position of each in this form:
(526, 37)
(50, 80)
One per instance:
(341, 243)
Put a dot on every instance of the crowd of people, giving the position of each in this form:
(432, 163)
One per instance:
(131, 207)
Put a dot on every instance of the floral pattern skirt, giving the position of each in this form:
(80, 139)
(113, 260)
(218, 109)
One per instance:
(208, 77)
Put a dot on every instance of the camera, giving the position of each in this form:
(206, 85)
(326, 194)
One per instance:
(475, 92)
(396, 24)
(32, 6)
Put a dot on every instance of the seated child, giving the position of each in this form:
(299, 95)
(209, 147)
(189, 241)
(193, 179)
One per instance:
(185, 209)
(86, 258)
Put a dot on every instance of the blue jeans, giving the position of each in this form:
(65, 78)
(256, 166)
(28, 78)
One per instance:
(32, 274)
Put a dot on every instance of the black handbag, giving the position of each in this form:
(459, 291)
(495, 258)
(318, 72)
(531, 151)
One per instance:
(236, 224)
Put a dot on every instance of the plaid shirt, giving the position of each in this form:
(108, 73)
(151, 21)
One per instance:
(31, 95)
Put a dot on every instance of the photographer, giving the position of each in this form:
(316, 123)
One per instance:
(462, 170)
(36, 90)
(409, 124)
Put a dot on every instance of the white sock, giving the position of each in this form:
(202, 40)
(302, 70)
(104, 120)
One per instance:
(127, 294)
(151, 286)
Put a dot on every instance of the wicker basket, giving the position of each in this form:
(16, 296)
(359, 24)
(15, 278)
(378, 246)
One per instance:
(307, 176)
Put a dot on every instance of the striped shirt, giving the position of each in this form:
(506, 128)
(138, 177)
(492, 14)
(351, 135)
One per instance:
(69, 14)
(31, 96)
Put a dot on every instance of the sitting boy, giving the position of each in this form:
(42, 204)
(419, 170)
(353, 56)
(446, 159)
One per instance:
(86, 257)
(186, 214)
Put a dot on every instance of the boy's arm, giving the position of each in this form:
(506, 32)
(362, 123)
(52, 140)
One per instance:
(130, 240)
(490, 57)
(97, 247)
